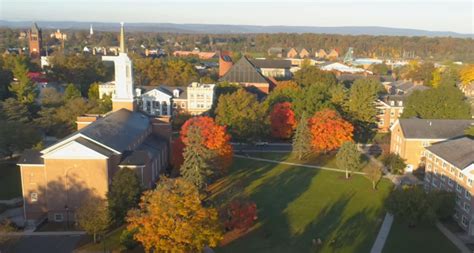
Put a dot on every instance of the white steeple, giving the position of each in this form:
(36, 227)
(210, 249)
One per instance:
(123, 97)
(91, 31)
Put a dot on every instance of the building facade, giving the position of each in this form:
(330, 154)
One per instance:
(450, 167)
(410, 137)
(57, 180)
(389, 110)
(200, 98)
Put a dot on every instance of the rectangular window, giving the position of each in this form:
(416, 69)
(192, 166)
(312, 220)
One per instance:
(444, 165)
(459, 188)
(452, 170)
(465, 221)
(469, 182)
(461, 176)
(34, 197)
(443, 177)
(450, 182)
(58, 217)
(458, 200)
(429, 167)
(467, 195)
(467, 207)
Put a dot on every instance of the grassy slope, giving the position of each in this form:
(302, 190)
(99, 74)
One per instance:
(418, 239)
(298, 204)
(10, 182)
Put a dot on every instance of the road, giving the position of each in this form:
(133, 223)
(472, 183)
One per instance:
(42, 244)
(270, 147)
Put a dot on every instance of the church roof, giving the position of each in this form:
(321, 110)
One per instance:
(118, 130)
(243, 72)
(147, 150)
(31, 157)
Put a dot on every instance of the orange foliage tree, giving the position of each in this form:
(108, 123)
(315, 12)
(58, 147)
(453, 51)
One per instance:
(172, 219)
(329, 130)
(282, 120)
(177, 149)
(215, 138)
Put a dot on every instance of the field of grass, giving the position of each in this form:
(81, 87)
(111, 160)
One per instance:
(111, 243)
(419, 239)
(297, 205)
(10, 181)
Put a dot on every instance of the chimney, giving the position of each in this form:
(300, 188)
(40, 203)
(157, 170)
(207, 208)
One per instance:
(85, 120)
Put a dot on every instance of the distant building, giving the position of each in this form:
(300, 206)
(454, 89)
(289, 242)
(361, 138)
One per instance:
(225, 63)
(333, 55)
(200, 98)
(342, 68)
(158, 101)
(245, 73)
(292, 53)
(107, 88)
(404, 87)
(58, 35)
(276, 51)
(196, 52)
(321, 54)
(389, 110)
(450, 167)
(35, 41)
(304, 53)
(410, 137)
(273, 68)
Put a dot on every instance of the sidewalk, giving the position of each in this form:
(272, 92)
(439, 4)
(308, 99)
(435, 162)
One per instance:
(298, 164)
(383, 234)
(29, 233)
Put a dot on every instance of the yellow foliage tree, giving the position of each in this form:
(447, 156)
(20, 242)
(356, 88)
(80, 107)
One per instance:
(172, 219)
(436, 78)
(467, 74)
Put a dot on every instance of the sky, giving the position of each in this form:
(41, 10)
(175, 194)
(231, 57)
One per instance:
(435, 15)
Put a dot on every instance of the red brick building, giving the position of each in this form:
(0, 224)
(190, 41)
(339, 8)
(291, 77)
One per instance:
(35, 41)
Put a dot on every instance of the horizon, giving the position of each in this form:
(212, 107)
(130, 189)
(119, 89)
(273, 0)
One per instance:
(418, 15)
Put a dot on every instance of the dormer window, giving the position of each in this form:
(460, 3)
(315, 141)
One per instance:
(176, 93)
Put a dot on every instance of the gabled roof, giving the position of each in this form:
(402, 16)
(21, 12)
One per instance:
(147, 150)
(243, 72)
(272, 64)
(116, 131)
(433, 128)
(458, 152)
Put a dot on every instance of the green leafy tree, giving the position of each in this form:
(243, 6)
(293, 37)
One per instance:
(196, 167)
(242, 114)
(440, 103)
(93, 92)
(93, 217)
(348, 158)
(469, 131)
(6, 77)
(309, 75)
(302, 138)
(394, 163)
(124, 194)
(23, 88)
(374, 173)
(362, 97)
(71, 92)
(380, 69)
(313, 98)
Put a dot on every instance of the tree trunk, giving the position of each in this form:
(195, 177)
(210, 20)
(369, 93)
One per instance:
(347, 174)
(373, 185)
(95, 238)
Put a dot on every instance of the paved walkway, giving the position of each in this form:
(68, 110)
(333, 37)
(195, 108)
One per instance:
(453, 238)
(383, 234)
(51, 233)
(297, 164)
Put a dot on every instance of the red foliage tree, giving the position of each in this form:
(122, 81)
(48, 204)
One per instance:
(177, 158)
(240, 215)
(282, 120)
(329, 130)
(215, 138)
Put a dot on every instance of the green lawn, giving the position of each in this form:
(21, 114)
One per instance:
(420, 239)
(110, 243)
(297, 204)
(10, 182)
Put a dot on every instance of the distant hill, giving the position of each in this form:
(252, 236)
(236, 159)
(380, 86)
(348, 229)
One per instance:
(222, 29)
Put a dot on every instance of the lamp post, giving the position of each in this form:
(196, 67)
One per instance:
(67, 216)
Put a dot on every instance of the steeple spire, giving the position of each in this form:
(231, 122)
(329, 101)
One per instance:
(122, 38)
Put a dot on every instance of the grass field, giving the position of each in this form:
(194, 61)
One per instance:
(297, 205)
(10, 181)
(416, 240)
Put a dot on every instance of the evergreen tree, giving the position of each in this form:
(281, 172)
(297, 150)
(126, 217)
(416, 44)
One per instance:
(348, 157)
(196, 167)
(124, 194)
(24, 89)
(302, 138)
(71, 92)
(12, 110)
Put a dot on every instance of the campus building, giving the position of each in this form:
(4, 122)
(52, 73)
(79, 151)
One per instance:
(58, 179)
